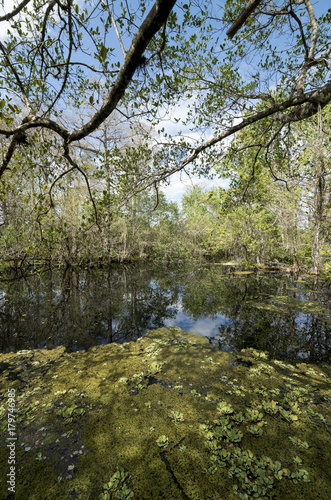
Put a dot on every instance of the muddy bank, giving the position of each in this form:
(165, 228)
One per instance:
(165, 417)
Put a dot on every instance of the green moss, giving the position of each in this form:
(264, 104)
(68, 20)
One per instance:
(164, 417)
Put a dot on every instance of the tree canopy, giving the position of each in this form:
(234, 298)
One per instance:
(141, 59)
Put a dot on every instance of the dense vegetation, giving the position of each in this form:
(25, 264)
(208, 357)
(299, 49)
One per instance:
(86, 142)
(276, 208)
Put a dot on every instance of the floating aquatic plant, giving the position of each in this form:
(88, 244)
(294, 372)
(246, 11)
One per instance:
(254, 415)
(254, 476)
(255, 430)
(155, 368)
(162, 441)
(260, 355)
(298, 442)
(117, 485)
(123, 380)
(176, 416)
(270, 407)
(68, 413)
(224, 408)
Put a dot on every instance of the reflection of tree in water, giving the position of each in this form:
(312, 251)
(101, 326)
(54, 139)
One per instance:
(256, 319)
(20, 312)
(134, 304)
(204, 291)
(316, 337)
(81, 308)
(278, 327)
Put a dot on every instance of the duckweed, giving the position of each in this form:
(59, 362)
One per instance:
(143, 421)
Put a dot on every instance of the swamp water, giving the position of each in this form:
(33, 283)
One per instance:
(289, 316)
(170, 415)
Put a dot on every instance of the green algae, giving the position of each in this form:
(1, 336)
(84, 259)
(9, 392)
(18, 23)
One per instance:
(167, 416)
(282, 304)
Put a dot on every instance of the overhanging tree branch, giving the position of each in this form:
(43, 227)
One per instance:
(228, 97)
(304, 106)
(242, 18)
(153, 22)
(15, 11)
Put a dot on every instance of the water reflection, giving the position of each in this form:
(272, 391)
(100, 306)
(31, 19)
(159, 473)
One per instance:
(80, 308)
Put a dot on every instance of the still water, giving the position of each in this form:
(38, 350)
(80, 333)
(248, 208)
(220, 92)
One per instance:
(289, 316)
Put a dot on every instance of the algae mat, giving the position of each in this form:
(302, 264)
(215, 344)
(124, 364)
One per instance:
(166, 417)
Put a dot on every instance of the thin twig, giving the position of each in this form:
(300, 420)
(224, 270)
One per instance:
(106, 6)
(66, 76)
(19, 82)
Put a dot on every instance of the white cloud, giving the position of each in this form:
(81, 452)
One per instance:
(7, 7)
(171, 115)
(205, 327)
(180, 183)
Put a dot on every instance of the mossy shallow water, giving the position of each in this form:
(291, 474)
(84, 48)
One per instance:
(166, 417)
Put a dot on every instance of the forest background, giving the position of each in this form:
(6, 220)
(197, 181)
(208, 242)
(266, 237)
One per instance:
(87, 147)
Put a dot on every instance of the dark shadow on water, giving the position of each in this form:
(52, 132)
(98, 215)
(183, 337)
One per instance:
(242, 362)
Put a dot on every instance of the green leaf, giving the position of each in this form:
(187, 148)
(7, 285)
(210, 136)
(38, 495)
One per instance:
(103, 53)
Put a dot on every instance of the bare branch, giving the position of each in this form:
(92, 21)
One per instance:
(293, 14)
(310, 56)
(157, 196)
(267, 159)
(253, 173)
(9, 155)
(73, 63)
(47, 13)
(106, 6)
(43, 33)
(36, 122)
(64, 83)
(76, 166)
(52, 204)
(322, 58)
(18, 80)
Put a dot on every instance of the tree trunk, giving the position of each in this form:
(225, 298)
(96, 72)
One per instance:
(316, 249)
(319, 198)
